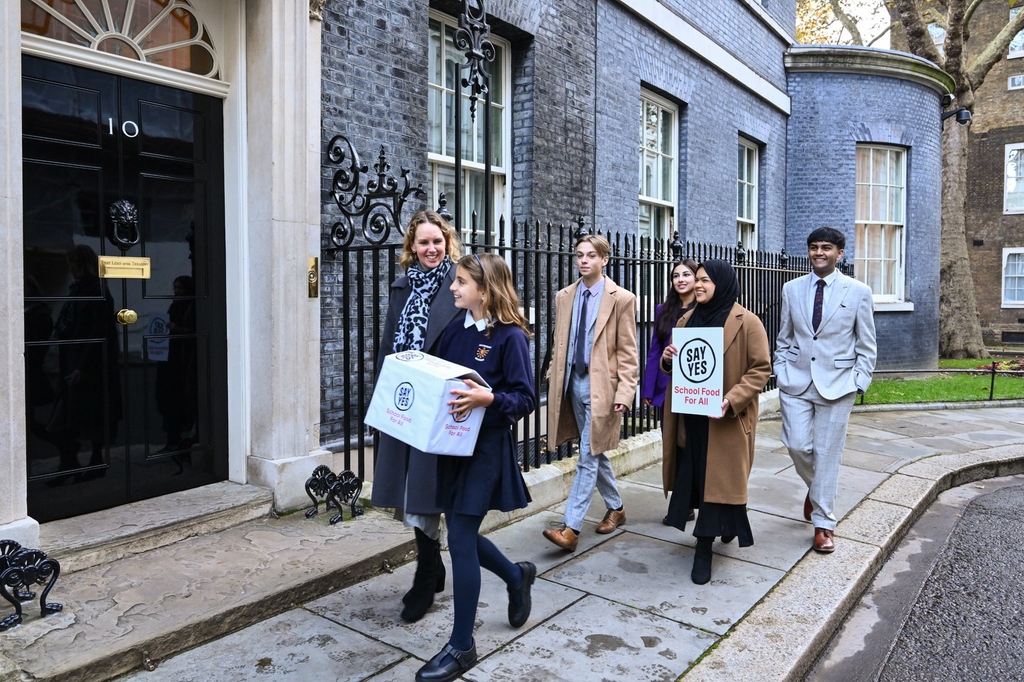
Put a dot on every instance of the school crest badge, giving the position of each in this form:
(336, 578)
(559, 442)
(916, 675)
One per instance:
(481, 352)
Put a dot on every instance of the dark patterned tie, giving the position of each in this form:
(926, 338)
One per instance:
(819, 300)
(580, 363)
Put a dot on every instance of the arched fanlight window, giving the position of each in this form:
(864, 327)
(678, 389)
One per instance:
(164, 32)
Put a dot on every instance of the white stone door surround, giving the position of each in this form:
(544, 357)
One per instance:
(270, 58)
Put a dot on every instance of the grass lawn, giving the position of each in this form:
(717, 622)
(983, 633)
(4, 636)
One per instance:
(945, 387)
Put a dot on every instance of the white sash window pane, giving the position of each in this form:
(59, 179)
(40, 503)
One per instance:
(880, 199)
(1013, 186)
(667, 126)
(435, 120)
(444, 76)
(878, 203)
(497, 75)
(1013, 277)
(657, 163)
(435, 61)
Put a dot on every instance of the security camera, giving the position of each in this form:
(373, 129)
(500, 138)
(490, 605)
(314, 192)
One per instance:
(963, 116)
(947, 100)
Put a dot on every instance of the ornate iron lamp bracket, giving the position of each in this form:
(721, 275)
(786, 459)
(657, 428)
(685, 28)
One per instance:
(378, 208)
(471, 38)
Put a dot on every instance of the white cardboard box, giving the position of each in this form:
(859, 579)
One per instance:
(410, 403)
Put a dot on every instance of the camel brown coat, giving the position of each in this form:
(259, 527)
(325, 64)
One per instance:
(614, 367)
(746, 367)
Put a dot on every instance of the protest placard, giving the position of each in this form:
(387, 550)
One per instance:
(697, 371)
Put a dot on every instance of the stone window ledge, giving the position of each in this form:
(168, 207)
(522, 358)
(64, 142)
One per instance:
(894, 307)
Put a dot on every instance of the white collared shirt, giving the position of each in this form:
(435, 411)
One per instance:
(480, 324)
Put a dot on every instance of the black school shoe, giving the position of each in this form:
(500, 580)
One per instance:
(458, 663)
(518, 615)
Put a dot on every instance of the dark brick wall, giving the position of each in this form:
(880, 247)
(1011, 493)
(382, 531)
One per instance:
(986, 223)
(832, 113)
(998, 121)
(714, 113)
(734, 25)
(374, 69)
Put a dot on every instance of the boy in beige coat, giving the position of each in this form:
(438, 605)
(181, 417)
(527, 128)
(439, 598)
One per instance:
(594, 373)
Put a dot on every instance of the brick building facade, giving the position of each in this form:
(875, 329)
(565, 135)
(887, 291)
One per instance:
(649, 117)
(701, 88)
(995, 222)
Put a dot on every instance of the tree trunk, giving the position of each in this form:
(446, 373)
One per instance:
(959, 323)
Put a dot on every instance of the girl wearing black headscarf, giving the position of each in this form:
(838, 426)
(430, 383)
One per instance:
(706, 461)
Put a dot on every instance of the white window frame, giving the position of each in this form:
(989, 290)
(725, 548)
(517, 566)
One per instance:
(938, 36)
(862, 224)
(1017, 179)
(501, 175)
(648, 202)
(1015, 82)
(1007, 252)
(746, 226)
(1016, 48)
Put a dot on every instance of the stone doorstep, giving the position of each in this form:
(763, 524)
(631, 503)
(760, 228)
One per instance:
(222, 564)
(172, 598)
(102, 537)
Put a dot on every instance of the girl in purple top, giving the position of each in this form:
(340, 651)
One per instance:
(680, 299)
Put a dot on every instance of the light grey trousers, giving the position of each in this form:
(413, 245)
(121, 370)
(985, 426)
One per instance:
(814, 431)
(591, 469)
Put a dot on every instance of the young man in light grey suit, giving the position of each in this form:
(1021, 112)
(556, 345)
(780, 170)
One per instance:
(824, 357)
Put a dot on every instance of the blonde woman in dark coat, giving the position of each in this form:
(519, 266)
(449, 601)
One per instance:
(420, 307)
(706, 461)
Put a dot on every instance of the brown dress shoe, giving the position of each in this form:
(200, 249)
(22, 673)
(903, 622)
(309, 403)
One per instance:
(566, 538)
(823, 542)
(612, 520)
(808, 507)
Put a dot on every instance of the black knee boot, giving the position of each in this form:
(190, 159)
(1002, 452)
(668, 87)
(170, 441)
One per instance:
(428, 580)
(701, 573)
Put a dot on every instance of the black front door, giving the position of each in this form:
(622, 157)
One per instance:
(126, 381)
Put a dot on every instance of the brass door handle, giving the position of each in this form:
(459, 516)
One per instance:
(127, 317)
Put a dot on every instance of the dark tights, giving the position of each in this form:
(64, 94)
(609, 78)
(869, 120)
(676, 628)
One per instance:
(470, 551)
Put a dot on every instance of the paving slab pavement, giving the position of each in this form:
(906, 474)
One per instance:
(622, 607)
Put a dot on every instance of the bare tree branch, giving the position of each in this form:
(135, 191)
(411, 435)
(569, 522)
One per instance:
(969, 14)
(875, 39)
(956, 59)
(980, 66)
(848, 22)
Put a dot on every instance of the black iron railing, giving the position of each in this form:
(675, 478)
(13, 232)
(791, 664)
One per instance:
(540, 256)
(358, 271)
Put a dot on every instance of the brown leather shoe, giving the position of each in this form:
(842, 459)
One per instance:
(823, 542)
(612, 520)
(808, 507)
(566, 538)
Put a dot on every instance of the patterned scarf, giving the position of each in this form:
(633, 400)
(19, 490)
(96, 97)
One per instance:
(412, 324)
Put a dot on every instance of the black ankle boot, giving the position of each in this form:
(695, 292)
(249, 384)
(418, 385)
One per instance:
(701, 573)
(428, 580)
